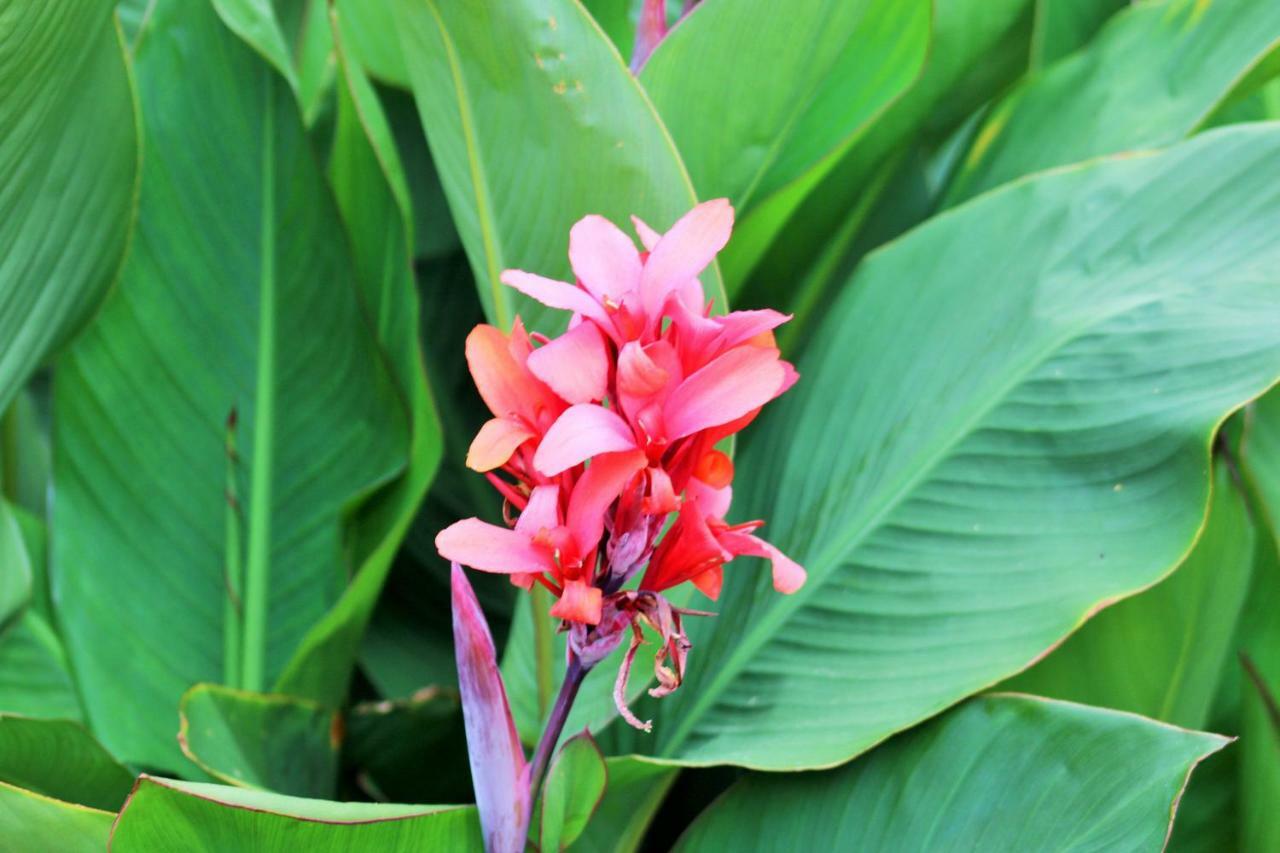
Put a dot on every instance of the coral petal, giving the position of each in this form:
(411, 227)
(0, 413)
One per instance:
(494, 444)
(579, 603)
(600, 485)
(493, 747)
(730, 386)
(603, 258)
(490, 548)
(710, 581)
(582, 431)
(574, 365)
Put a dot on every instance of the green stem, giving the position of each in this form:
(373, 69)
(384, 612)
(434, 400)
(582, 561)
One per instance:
(543, 649)
(257, 579)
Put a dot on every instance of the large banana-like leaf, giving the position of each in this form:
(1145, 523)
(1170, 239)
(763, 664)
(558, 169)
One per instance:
(178, 559)
(373, 199)
(68, 174)
(38, 822)
(163, 814)
(1002, 425)
(1001, 772)
(1154, 74)
(1162, 653)
(784, 96)
(534, 121)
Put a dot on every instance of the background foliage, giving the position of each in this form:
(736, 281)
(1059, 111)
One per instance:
(1031, 249)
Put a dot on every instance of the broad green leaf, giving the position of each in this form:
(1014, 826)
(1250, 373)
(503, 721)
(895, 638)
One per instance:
(15, 567)
(1162, 653)
(618, 19)
(163, 814)
(790, 85)
(59, 758)
(534, 122)
(263, 741)
(239, 296)
(571, 793)
(976, 47)
(635, 790)
(24, 455)
(1153, 75)
(255, 21)
(66, 207)
(373, 200)
(1001, 772)
(1063, 26)
(970, 465)
(34, 678)
(1262, 458)
(30, 821)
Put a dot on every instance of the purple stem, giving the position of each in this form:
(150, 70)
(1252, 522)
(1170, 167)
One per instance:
(555, 723)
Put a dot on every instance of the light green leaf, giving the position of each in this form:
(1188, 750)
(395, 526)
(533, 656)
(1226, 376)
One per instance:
(635, 790)
(970, 465)
(263, 741)
(786, 95)
(239, 296)
(1001, 772)
(66, 207)
(369, 28)
(255, 21)
(571, 793)
(373, 200)
(1260, 766)
(1162, 653)
(30, 821)
(528, 103)
(163, 814)
(1153, 75)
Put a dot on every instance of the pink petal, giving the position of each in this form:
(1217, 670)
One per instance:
(579, 603)
(740, 326)
(574, 365)
(493, 747)
(730, 386)
(714, 502)
(603, 258)
(685, 251)
(648, 237)
(600, 485)
(557, 294)
(491, 548)
(582, 431)
(788, 575)
(494, 444)
(542, 512)
(638, 374)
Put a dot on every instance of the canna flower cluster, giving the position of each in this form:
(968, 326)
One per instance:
(604, 434)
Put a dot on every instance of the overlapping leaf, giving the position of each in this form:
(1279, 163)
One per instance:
(177, 561)
(1001, 772)
(962, 507)
(68, 167)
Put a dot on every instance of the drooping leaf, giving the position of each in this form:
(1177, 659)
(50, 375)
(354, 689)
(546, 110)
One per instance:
(1077, 337)
(1153, 75)
(499, 773)
(369, 27)
(60, 759)
(1001, 772)
(786, 95)
(571, 793)
(68, 175)
(635, 790)
(164, 814)
(30, 821)
(373, 200)
(263, 741)
(1162, 653)
(239, 297)
(503, 87)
